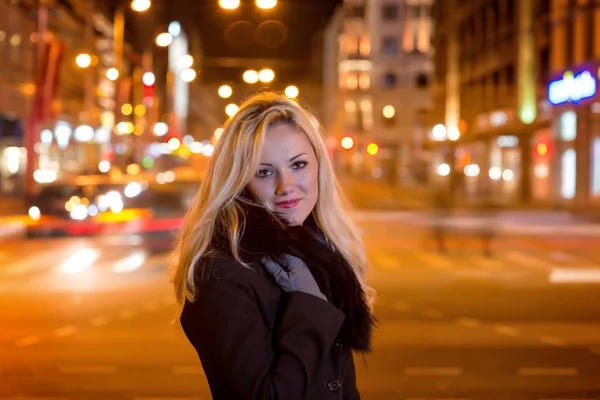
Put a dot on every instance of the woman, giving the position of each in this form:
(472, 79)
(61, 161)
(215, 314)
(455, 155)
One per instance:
(270, 270)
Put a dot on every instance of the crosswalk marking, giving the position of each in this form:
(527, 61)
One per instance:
(548, 371)
(433, 371)
(435, 260)
(385, 260)
(529, 260)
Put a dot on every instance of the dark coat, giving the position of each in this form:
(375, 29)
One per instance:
(257, 342)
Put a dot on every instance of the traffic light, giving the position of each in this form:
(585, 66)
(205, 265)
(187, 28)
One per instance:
(542, 149)
(149, 82)
(372, 149)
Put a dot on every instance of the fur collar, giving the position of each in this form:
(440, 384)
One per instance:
(266, 235)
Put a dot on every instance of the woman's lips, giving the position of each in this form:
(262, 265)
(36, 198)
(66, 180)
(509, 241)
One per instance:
(288, 203)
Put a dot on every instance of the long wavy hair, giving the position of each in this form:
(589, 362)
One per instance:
(234, 163)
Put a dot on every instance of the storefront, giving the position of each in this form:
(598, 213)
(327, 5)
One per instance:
(576, 155)
(12, 156)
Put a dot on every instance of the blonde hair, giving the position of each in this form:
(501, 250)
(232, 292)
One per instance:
(234, 163)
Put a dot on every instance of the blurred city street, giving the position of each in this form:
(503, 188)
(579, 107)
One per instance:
(95, 318)
(466, 134)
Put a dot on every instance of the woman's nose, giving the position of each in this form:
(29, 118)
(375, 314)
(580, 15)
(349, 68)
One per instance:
(284, 185)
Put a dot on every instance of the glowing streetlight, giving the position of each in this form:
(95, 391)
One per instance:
(347, 143)
(389, 111)
(250, 76)
(229, 4)
(174, 29)
(140, 5)
(173, 144)
(186, 61)
(83, 60)
(122, 128)
(148, 79)
(231, 109)
(225, 91)
(164, 39)
(126, 109)
(188, 75)
(453, 134)
(266, 4)
(266, 75)
(112, 74)
(291, 91)
(218, 133)
(439, 132)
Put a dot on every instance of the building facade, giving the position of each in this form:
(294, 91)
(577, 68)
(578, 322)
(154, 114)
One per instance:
(496, 129)
(377, 85)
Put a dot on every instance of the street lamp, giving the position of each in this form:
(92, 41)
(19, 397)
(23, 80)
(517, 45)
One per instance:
(389, 111)
(266, 75)
(231, 109)
(112, 74)
(140, 5)
(225, 91)
(164, 39)
(174, 28)
(266, 4)
(83, 60)
(250, 76)
(188, 75)
(291, 92)
(229, 4)
(347, 143)
(186, 61)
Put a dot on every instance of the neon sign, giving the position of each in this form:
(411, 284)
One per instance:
(572, 88)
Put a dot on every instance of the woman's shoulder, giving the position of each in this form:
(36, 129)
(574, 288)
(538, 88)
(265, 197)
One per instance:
(221, 265)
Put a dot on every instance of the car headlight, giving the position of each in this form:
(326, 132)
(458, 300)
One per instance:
(79, 212)
(35, 213)
(133, 189)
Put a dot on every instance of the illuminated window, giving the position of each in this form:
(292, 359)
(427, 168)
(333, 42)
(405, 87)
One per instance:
(351, 44)
(569, 168)
(366, 108)
(351, 82)
(364, 81)
(365, 46)
(568, 125)
(596, 167)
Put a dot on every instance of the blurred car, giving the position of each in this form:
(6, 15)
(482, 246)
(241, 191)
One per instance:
(65, 209)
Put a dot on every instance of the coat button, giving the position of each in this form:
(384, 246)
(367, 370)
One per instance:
(334, 385)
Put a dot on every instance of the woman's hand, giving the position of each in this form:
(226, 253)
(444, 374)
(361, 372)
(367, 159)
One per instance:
(292, 274)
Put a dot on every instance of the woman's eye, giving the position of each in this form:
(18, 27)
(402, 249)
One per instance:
(263, 173)
(299, 164)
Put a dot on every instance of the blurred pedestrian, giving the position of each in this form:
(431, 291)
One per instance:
(270, 269)
(442, 204)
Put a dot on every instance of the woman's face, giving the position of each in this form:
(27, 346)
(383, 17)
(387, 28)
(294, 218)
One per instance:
(287, 180)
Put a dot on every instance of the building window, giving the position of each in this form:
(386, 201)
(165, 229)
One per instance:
(418, 29)
(351, 82)
(389, 12)
(365, 46)
(422, 80)
(389, 46)
(355, 12)
(389, 80)
(349, 44)
(364, 80)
